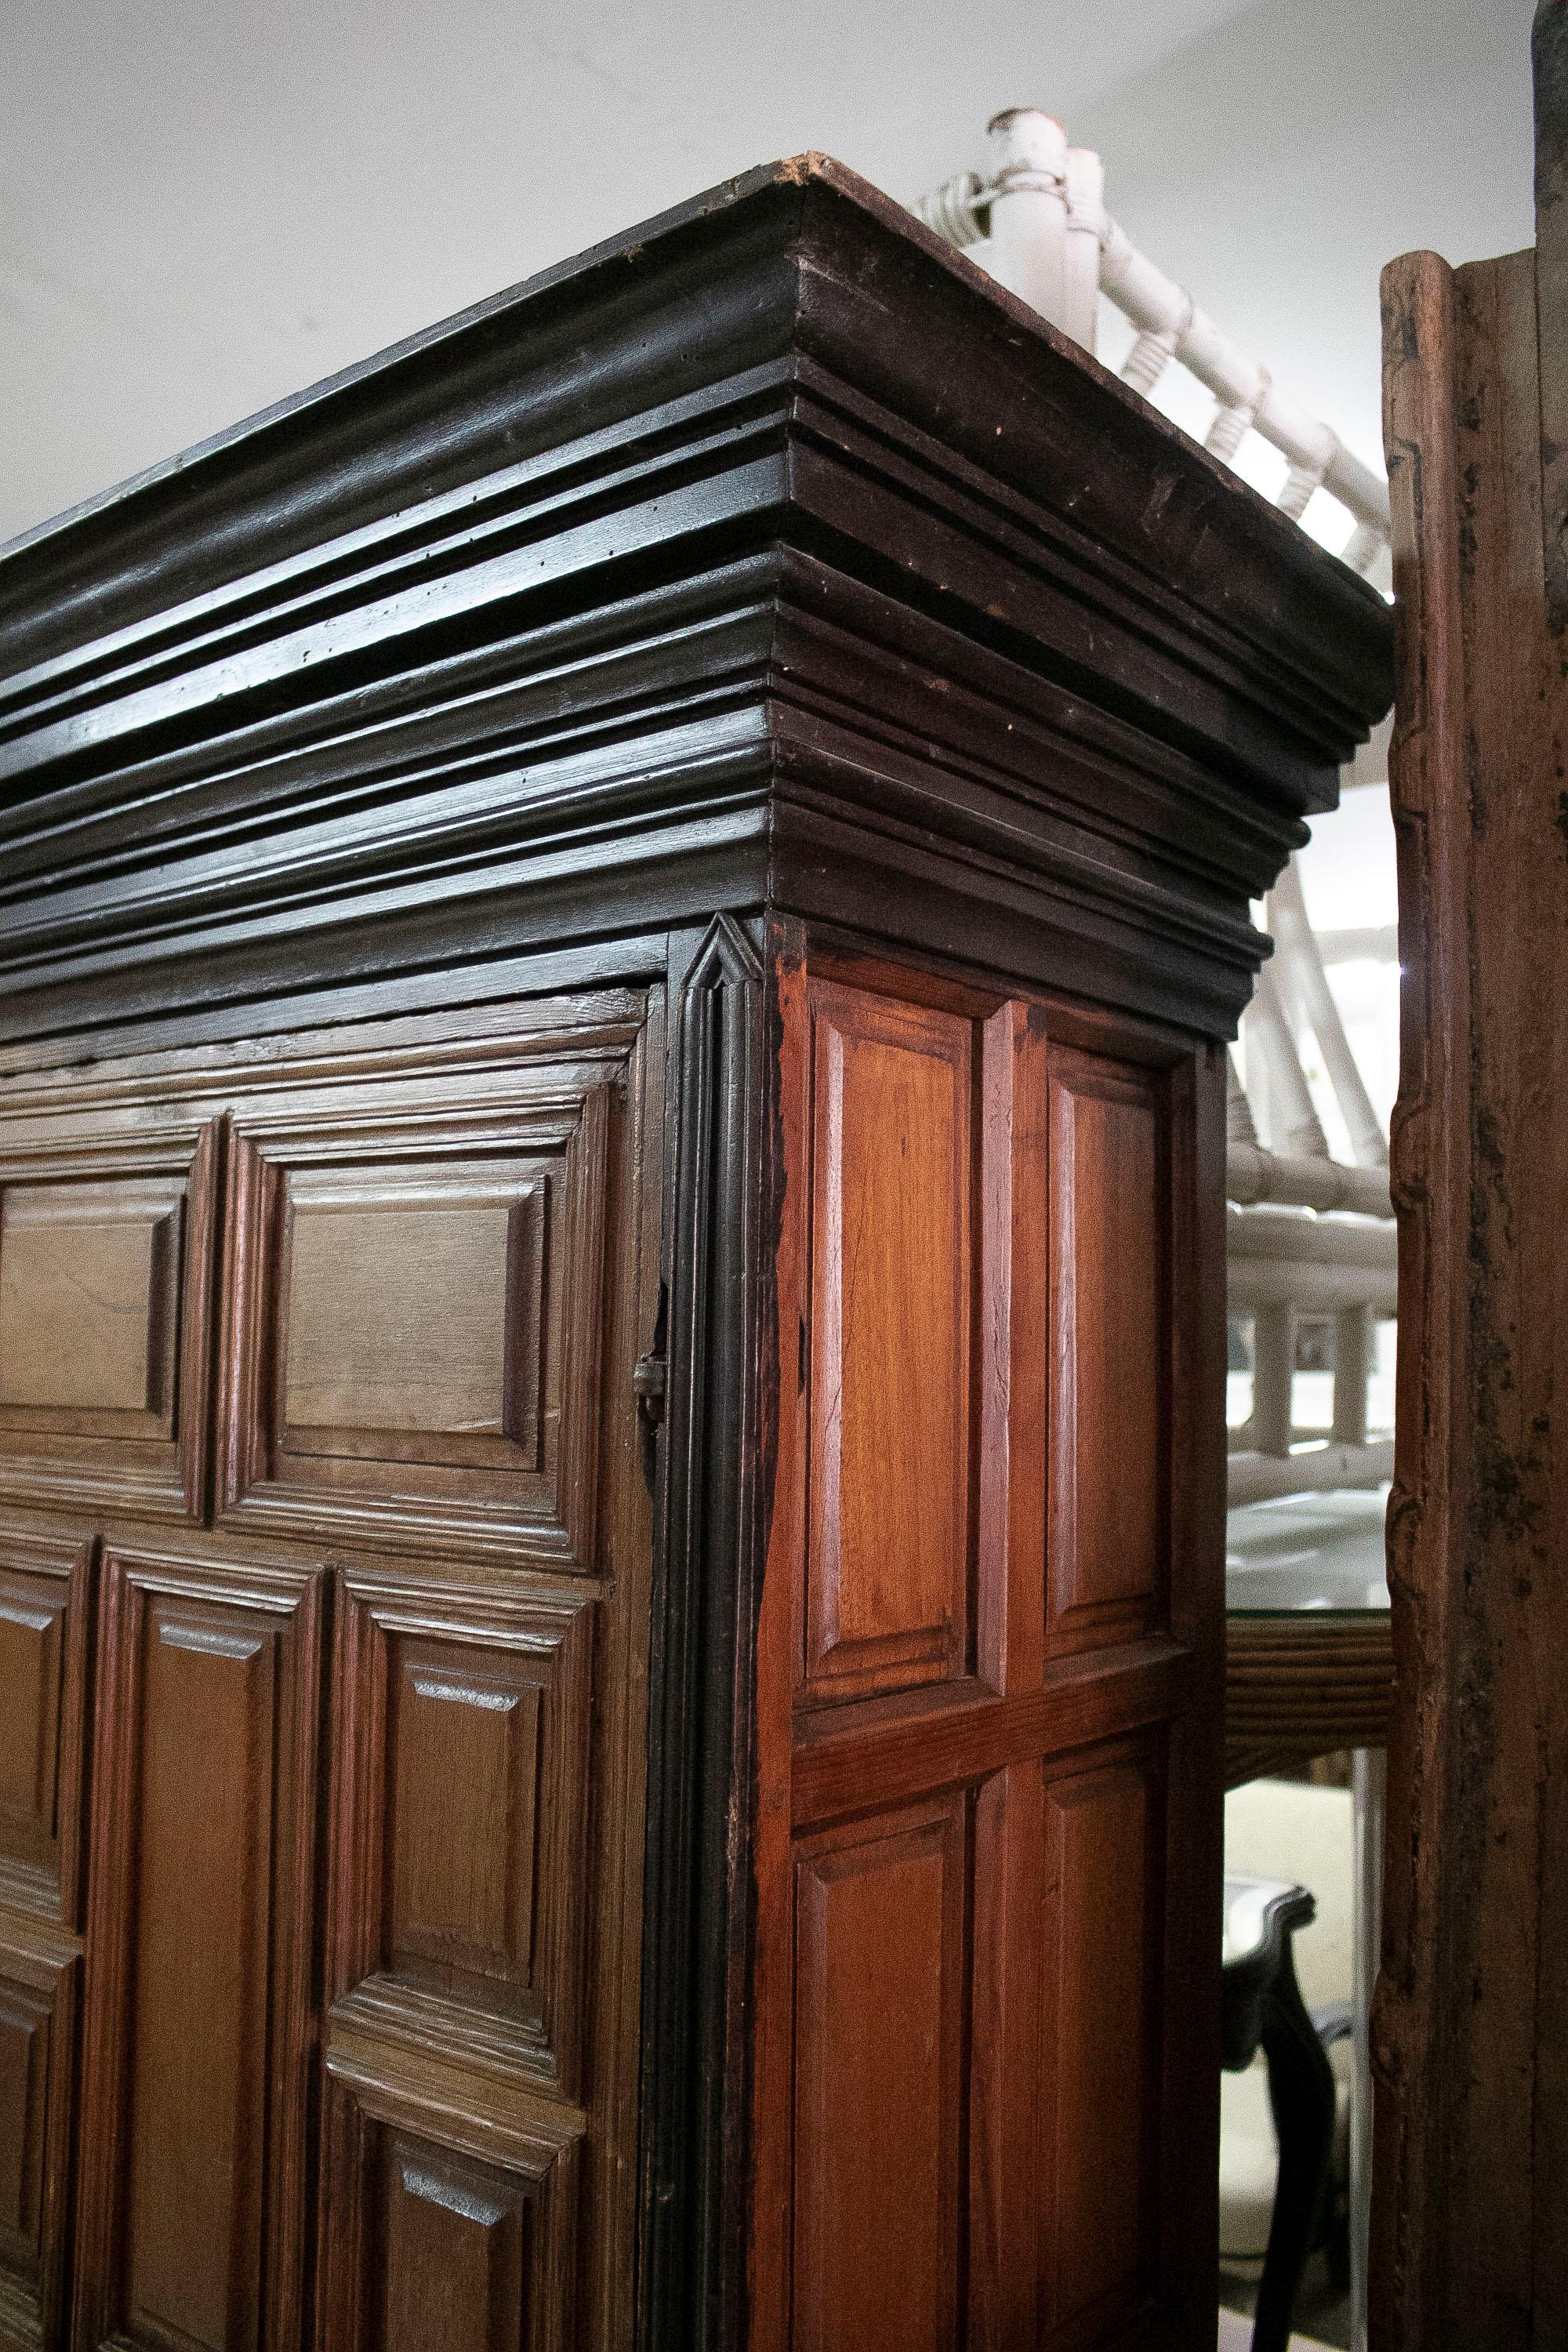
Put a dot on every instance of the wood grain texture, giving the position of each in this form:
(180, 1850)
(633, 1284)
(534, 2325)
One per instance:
(46, 1592)
(88, 1303)
(462, 1837)
(105, 1296)
(414, 1296)
(1471, 2013)
(1107, 1537)
(998, 1846)
(415, 1321)
(199, 1935)
(894, 1267)
(878, 2083)
(39, 1998)
(451, 2217)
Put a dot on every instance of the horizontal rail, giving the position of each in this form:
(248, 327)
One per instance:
(1321, 1470)
(1304, 1181)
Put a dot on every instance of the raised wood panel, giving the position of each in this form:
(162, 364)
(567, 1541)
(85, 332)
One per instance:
(1100, 1897)
(878, 2083)
(413, 1302)
(89, 1277)
(1108, 1531)
(463, 1862)
(45, 1630)
(37, 2026)
(200, 1930)
(454, 2245)
(889, 1536)
(450, 2214)
(412, 1316)
(106, 1258)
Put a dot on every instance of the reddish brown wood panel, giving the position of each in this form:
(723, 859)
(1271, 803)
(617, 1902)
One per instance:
(201, 1901)
(1098, 2064)
(893, 1261)
(1111, 1407)
(973, 2124)
(38, 1983)
(880, 1924)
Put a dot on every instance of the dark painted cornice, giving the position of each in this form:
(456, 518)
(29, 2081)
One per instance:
(767, 554)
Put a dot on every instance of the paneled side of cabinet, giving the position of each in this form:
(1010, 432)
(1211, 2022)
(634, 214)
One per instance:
(970, 1697)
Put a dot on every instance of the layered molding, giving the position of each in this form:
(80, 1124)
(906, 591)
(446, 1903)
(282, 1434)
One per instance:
(768, 545)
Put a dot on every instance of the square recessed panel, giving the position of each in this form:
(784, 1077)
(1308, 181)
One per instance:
(412, 1313)
(88, 1308)
(105, 1296)
(412, 1337)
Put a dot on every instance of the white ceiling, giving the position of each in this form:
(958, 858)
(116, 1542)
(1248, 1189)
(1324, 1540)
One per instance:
(206, 205)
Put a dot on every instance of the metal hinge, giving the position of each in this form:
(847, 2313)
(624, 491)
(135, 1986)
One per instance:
(649, 1387)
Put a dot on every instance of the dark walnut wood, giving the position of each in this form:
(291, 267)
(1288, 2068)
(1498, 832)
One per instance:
(616, 938)
(1470, 2038)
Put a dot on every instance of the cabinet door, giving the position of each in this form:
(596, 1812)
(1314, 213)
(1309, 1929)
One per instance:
(202, 1908)
(976, 1666)
(355, 1632)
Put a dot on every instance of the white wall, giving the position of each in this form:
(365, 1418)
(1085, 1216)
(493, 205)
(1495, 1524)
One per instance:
(206, 205)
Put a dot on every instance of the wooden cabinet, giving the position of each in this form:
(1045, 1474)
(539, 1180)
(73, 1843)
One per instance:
(615, 939)
(989, 1254)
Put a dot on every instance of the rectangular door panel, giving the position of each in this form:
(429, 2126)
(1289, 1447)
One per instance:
(45, 1630)
(412, 1314)
(1110, 1404)
(1098, 2065)
(199, 1935)
(414, 1300)
(879, 1927)
(106, 1260)
(449, 2215)
(890, 1534)
(89, 1311)
(462, 1840)
(38, 1981)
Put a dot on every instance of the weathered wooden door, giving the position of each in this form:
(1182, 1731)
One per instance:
(323, 1555)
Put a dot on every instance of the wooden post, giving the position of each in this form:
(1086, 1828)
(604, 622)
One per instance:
(1470, 2027)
